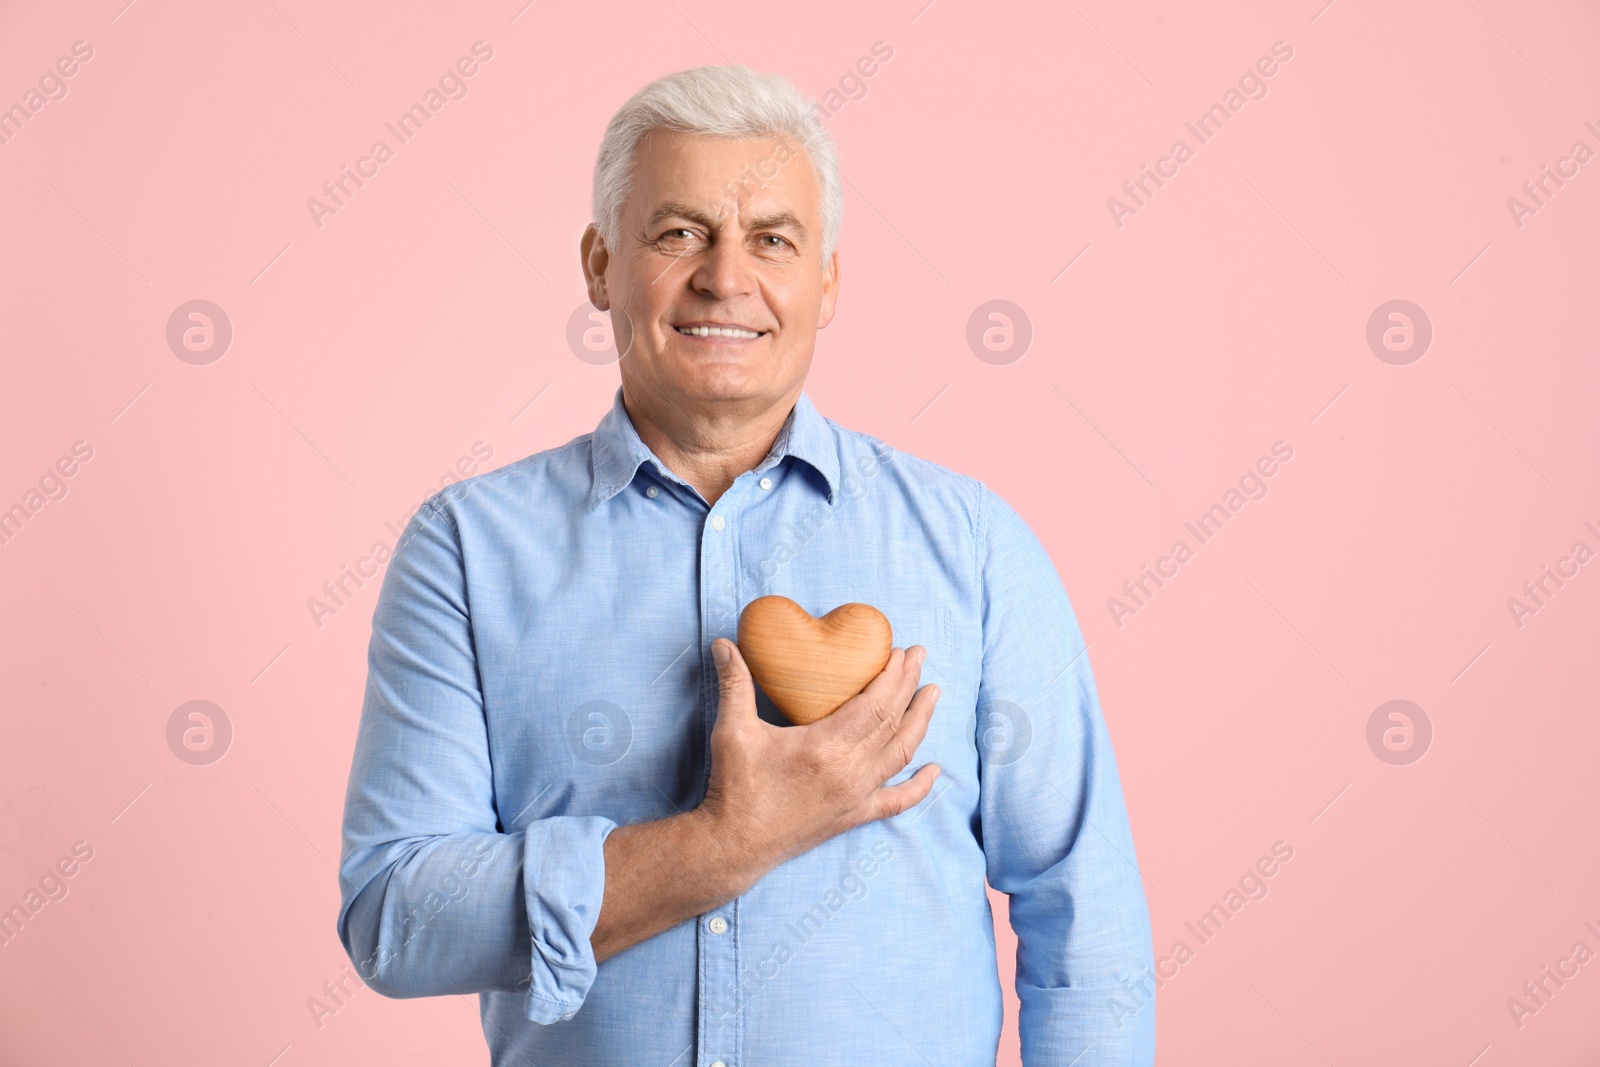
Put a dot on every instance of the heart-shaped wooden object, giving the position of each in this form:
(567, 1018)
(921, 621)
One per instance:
(810, 666)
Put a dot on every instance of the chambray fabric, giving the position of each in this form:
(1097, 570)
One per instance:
(540, 673)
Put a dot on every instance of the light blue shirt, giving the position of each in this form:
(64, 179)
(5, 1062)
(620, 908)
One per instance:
(540, 673)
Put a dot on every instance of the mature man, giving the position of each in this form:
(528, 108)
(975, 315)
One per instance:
(569, 796)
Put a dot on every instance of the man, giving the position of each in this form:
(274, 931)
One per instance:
(569, 796)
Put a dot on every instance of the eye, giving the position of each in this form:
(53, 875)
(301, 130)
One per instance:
(677, 235)
(781, 241)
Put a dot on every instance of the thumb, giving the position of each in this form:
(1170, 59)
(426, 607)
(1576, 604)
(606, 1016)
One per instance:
(736, 689)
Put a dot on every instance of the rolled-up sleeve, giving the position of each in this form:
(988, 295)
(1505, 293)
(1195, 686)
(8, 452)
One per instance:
(1054, 827)
(435, 898)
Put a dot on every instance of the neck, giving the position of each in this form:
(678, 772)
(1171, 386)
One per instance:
(707, 445)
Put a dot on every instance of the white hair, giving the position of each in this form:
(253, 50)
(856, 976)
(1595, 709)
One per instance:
(720, 102)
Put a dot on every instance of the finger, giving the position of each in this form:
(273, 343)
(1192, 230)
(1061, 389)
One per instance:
(882, 704)
(857, 716)
(911, 676)
(891, 800)
(899, 749)
(736, 694)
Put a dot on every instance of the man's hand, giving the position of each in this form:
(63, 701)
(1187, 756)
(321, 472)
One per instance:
(776, 792)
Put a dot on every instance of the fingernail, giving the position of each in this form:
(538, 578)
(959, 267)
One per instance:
(720, 653)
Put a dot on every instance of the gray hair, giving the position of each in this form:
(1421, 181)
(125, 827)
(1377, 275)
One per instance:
(721, 102)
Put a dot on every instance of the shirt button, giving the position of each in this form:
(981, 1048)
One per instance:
(766, 483)
(719, 1063)
(717, 522)
(718, 925)
(652, 491)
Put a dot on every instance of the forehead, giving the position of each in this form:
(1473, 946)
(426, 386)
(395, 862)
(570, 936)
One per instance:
(721, 174)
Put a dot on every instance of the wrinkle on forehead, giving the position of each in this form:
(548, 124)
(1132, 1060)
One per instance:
(739, 192)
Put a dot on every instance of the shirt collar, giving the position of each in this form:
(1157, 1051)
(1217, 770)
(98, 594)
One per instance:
(616, 450)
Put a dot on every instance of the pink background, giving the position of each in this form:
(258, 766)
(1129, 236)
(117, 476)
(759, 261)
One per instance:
(1228, 313)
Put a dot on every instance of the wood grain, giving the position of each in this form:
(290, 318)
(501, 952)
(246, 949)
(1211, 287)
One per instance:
(810, 666)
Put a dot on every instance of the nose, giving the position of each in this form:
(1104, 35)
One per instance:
(723, 270)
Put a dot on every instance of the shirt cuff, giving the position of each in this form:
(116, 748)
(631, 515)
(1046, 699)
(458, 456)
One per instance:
(564, 879)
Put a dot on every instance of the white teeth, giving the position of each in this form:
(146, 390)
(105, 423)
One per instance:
(717, 331)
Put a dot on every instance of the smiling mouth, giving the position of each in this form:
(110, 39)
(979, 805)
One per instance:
(731, 332)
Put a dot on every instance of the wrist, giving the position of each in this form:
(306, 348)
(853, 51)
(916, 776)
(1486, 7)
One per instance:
(731, 860)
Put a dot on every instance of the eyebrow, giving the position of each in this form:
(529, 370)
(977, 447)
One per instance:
(775, 220)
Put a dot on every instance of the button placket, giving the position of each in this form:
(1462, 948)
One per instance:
(721, 1022)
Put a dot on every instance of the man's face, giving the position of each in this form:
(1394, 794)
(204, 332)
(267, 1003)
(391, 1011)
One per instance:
(706, 244)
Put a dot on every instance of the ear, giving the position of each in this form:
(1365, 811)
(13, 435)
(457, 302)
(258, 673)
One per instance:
(592, 250)
(830, 290)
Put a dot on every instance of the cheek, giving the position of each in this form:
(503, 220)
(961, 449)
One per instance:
(794, 301)
(640, 302)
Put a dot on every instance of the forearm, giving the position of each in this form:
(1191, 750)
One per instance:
(660, 873)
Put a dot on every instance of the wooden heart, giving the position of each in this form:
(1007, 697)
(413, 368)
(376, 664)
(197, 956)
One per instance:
(810, 666)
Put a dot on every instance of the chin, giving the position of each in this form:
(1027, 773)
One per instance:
(720, 380)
